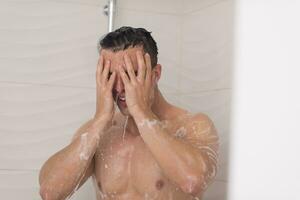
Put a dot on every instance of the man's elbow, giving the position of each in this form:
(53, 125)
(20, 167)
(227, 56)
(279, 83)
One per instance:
(193, 185)
(45, 194)
(48, 193)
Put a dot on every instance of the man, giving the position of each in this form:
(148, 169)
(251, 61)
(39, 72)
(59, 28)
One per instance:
(151, 149)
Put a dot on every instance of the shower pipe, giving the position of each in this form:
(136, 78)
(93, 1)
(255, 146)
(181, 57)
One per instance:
(109, 10)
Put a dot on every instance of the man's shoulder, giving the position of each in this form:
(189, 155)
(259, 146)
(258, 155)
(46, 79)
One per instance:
(190, 119)
(200, 124)
(190, 116)
(200, 116)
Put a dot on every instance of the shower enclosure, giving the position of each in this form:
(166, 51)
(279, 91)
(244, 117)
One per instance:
(48, 57)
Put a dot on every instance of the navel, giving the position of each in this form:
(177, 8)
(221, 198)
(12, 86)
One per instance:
(159, 184)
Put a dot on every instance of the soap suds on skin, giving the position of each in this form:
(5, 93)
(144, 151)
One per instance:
(149, 123)
(83, 155)
(180, 133)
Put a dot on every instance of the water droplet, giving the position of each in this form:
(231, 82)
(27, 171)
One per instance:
(124, 127)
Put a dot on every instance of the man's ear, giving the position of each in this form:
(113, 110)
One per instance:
(157, 72)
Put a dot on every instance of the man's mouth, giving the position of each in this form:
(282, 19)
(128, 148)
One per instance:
(122, 99)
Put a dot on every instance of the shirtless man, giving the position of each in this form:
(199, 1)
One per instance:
(151, 149)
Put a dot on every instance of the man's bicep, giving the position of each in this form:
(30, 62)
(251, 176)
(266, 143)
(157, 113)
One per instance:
(201, 132)
(89, 171)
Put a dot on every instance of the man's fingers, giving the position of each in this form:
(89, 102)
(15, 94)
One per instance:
(142, 67)
(99, 69)
(112, 80)
(123, 75)
(148, 66)
(129, 68)
(105, 72)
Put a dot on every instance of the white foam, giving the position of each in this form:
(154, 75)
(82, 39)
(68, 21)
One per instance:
(83, 147)
(181, 132)
(149, 123)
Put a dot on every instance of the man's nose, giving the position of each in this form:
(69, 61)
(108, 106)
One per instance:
(118, 85)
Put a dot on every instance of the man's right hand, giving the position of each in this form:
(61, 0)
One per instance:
(104, 84)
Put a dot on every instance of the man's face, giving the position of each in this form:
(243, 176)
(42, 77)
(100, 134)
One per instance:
(117, 59)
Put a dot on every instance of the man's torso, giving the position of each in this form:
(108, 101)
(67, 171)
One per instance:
(126, 169)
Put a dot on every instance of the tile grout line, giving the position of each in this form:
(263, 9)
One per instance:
(48, 85)
(204, 7)
(5, 169)
(205, 91)
(150, 11)
(76, 2)
(121, 8)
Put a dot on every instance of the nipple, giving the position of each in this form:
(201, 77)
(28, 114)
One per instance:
(159, 184)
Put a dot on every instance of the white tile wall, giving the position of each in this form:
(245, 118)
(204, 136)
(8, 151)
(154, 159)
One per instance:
(17, 184)
(85, 2)
(48, 58)
(157, 6)
(205, 73)
(216, 104)
(216, 191)
(196, 5)
(23, 184)
(207, 48)
(37, 116)
(44, 42)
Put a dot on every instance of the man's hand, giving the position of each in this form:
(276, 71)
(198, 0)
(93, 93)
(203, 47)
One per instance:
(139, 90)
(105, 103)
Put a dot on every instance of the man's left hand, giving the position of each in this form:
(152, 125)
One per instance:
(139, 89)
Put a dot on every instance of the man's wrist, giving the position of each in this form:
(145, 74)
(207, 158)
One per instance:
(100, 124)
(142, 115)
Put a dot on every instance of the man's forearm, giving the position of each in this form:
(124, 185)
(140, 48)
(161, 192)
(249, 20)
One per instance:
(167, 150)
(62, 173)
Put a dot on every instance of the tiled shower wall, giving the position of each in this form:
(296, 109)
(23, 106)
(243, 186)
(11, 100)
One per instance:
(205, 73)
(47, 64)
(47, 74)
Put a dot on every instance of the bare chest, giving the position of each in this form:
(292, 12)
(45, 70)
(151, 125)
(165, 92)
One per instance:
(125, 165)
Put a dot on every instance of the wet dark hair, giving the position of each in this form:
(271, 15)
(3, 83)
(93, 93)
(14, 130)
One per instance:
(126, 37)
